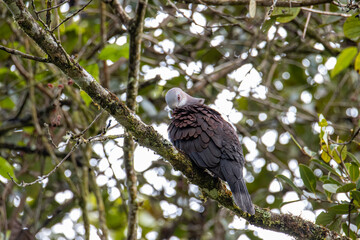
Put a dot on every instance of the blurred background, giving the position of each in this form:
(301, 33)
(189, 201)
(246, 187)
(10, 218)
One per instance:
(286, 78)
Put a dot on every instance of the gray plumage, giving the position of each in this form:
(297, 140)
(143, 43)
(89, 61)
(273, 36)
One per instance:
(209, 141)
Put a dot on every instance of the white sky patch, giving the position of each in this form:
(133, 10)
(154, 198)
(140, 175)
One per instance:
(209, 69)
(170, 210)
(262, 116)
(61, 197)
(275, 186)
(197, 27)
(192, 67)
(318, 78)
(271, 33)
(167, 45)
(282, 32)
(305, 62)
(250, 79)
(269, 138)
(262, 44)
(64, 8)
(121, 40)
(217, 40)
(306, 97)
(128, 9)
(165, 73)
(322, 69)
(158, 32)
(151, 23)
(184, 12)
(284, 138)
(254, 52)
(319, 46)
(330, 63)
(101, 180)
(235, 116)
(352, 112)
(278, 85)
(143, 157)
(161, 16)
(290, 116)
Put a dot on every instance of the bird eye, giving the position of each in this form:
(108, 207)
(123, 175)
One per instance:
(178, 97)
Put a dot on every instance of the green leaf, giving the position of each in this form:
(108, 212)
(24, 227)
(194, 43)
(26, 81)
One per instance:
(330, 187)
(344, 59)
(284, 203)
(322, 121)
(353, 157)
(325, 166)
(325, 218)
(6, 168)
(356, 196)
(358, 184)
(346, 188)
(308, 177)
(268, 24)
(284, 14)
(353, 170)
(352, 27)
(288, 181)
(357, 221)
(341, 151)
(87, 99)
(113, 52)
(357, 63)
(7, 103)
(346, 230)
(325, 156)
(327, 179)
(341, 209)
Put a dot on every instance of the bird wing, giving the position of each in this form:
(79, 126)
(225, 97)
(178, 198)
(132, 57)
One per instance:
(198, 132)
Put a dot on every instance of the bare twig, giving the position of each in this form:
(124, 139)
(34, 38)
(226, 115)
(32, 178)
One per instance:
(325, 12)
(53, 7)
(41, 178)
(72, 15)
(119, 11)
(307, 23)
(24, 55)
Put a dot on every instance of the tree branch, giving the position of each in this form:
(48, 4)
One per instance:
(135, 29)
(119, 11)
(23, 55)
(148, 137)
(264, 3)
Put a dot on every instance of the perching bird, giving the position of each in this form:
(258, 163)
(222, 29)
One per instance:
(209, 141)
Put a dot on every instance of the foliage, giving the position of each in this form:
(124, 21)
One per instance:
(293, 100)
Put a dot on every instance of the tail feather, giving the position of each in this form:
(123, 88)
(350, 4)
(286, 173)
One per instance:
(242, 196)
(233, 175)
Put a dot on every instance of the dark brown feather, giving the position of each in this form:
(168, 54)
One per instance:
(211, 143)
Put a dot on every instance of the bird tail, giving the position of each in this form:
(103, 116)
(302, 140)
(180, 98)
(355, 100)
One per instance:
(238, 188)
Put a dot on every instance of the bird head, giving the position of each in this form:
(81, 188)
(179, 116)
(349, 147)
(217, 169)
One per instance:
(176, 97)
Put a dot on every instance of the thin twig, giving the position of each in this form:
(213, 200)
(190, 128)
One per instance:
(72, 15)
(307, 23)
(325, 12)
(41, 178)
(24, 55)
(56, 6)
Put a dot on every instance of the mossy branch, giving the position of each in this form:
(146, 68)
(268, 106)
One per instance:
(146, 136)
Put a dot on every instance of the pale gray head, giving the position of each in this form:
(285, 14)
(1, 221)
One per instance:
(176, 97)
